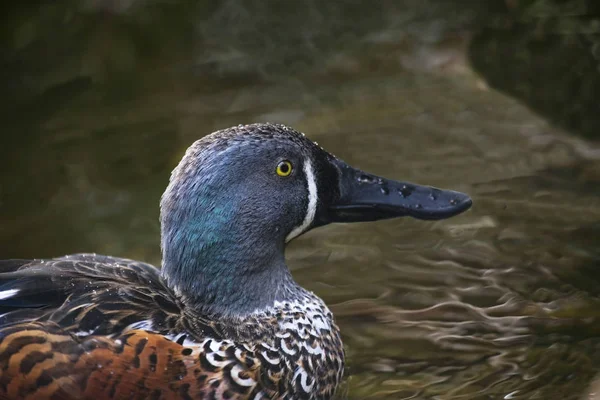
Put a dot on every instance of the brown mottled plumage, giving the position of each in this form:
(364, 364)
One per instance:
(223, 318)
(89, 347)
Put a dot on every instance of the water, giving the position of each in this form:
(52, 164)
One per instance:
(498, 303)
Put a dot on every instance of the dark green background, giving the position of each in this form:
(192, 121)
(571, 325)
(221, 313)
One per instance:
(495, 98)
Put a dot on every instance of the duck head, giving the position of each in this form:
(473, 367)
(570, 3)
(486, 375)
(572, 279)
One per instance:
(240, 194)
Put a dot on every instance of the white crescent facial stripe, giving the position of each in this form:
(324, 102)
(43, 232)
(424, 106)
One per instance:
(312, 202)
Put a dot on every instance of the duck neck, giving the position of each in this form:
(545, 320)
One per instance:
(217, 269)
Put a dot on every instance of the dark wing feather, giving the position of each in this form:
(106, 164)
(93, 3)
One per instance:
(65, 333)
(89, 293)
(69, 330)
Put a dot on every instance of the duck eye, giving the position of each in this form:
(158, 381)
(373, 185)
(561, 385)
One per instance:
(284, 168)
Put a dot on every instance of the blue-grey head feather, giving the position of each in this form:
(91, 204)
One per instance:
(225, 216)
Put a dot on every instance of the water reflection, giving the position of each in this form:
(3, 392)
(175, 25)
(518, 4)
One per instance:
(498, 303)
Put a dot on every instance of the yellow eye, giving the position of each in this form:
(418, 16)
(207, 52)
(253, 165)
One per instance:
(284, 168)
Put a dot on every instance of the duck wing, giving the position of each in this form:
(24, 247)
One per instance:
(88, 326)
(87, 294)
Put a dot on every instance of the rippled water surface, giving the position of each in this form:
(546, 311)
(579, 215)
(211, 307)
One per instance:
(499, 303)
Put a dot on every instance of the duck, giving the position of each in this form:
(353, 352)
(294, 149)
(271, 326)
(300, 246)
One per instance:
(223, 317)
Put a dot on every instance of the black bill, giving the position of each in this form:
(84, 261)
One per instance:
(365, 197)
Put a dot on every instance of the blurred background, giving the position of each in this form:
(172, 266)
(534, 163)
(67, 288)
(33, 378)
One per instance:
(496, 98)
